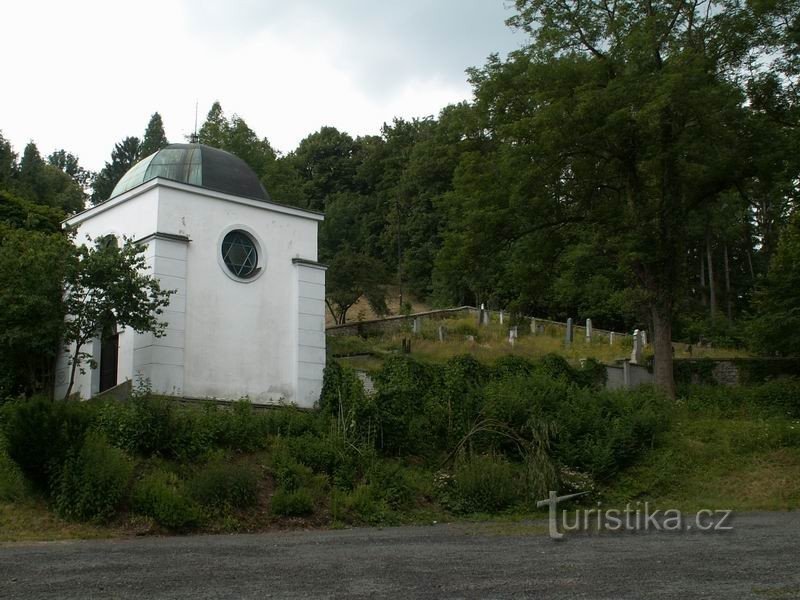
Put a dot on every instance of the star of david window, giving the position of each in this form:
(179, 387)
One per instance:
(240, 254)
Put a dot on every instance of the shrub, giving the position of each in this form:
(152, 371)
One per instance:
(93, 481)
(485, 484)
(389, 483)
(512, 365)
(781, 396)
(344, 399)
(223, 485)
(155, 426)
(41, 433)
(292, 503)
(408, 407)
(239, 428)
(288, 472)
(160, 495)
(362, 505)
(13, 486)
(556, 367)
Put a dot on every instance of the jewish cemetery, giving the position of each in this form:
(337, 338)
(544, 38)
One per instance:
(400, 286)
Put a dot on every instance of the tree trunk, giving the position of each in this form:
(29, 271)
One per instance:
(662, 345)
(729, 304)
(712, 293)
(72, 374)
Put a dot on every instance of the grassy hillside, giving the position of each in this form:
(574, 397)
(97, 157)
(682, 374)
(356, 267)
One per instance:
(438, 442)
(491, 342)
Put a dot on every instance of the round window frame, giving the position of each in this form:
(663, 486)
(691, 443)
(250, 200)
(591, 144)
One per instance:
(256, 240)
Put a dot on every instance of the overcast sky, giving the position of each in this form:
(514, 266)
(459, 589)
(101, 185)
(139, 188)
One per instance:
(82, 75)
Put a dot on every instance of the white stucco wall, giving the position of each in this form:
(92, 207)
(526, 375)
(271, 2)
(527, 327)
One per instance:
(240, 339)
(133, 215)
(226, 339)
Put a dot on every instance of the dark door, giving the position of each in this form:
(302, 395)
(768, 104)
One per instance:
(109, 351)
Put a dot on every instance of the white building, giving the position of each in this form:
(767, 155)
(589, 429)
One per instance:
(248, 316)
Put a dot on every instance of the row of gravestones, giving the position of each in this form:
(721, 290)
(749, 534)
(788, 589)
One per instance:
(639, 336)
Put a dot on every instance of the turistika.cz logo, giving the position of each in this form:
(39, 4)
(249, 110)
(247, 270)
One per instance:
(633, 518)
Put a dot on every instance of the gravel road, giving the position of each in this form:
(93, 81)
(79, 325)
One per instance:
(759, 558)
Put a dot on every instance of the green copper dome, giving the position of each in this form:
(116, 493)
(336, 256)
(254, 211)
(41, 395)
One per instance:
(198, 165)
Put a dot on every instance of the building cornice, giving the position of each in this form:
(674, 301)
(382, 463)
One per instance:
(309, 263)
(158, 235)
(192, 189)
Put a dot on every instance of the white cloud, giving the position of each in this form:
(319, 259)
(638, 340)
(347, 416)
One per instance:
(83, 75)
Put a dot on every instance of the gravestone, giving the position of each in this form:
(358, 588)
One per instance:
(480, 314)
(533, 326)
(441, 333)
(501, 316)
(416, 327)
(588, 330)
(611, 338)
(513, 333)
(636, 352)
(486, 317)
(644, 338)
(569, 334)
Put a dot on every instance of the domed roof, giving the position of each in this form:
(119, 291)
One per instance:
(195, 164)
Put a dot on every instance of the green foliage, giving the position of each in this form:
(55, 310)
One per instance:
(289, 474)
(361, 505)
(124, 155)
(236, 137)
(485, 484)
(20, 213)
(93, 481)
(597, 432)
(405, 408)
(154, 136)
(41, 434)
(390, 484)
(292, 503)
(155, 426)
(32, 268)
(222, 485)
(13, 486)
(776, 398)
(160, 495)
(108, 286)
(351, 276)
(344, 399)
(776, 302)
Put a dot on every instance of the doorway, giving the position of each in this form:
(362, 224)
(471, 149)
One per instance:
(109, 354)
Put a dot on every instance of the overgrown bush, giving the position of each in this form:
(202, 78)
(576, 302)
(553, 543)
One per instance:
(354, 413)
(93, 480)
(779, 397)
(289, 474)
(13, 486)
(223, 485)
(292, 503)
(154, 426)
(391, 484)
(160, 495)
(485, 484)
(362, 505)
(41, 433)
(597, 432)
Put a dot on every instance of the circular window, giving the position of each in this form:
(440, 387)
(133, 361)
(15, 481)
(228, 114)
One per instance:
(240, 254)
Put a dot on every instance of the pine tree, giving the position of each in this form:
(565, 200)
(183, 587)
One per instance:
(125, 154)
(154, 136)
(214, 131)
